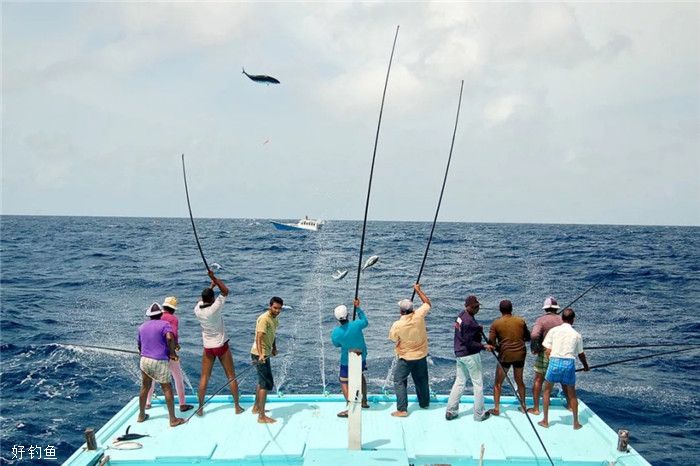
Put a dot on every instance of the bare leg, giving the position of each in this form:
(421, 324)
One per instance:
(497, 387)
(536, 392)
(262, 399)
(573, 404)
(143, 394)
(518, 374)
(545, 401)
(168, 394)
(226, 360)
(207, 364)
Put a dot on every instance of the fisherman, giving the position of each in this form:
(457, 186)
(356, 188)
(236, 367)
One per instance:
(265, 346)
(215, 341)
(508, 334)
(348, 337)
(156, 344)
(562, 344)
(169, 307)
(468, 347)
(411, 338)
(542, 326)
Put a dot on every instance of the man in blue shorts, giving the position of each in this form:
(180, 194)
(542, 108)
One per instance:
(562, 344)
(348, 337)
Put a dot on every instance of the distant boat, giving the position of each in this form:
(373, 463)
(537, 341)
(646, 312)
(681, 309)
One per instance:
(305, 223)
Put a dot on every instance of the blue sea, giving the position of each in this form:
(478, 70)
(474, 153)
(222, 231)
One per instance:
(70, 281)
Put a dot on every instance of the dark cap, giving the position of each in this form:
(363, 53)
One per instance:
(506, 306)
(471, 301)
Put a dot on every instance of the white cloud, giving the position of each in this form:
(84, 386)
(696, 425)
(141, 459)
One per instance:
(505, 107)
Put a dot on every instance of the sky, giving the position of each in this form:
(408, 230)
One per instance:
(571, 113)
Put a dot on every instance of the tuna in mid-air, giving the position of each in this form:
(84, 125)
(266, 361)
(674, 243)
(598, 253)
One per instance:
(339, 274)
(370, 262)
(261, 78)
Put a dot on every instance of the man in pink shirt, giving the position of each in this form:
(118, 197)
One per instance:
(543, 325)
(169, 307)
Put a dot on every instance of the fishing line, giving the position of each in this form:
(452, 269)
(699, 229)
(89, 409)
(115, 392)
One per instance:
(189, 207)
(232, 379)
(589, 289)
(638, 358)
(371, 173)
(517, 395)
(442, 191)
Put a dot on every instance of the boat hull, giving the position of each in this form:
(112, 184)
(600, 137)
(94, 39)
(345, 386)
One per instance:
(292, 226)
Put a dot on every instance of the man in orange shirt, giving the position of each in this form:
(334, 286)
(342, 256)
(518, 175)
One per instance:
(411, 338)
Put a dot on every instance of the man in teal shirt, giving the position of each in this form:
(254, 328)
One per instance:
(348, 337)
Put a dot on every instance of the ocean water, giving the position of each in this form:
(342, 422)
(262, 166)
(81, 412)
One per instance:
(83, 280)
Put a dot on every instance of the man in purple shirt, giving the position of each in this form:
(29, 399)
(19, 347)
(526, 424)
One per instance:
(468, 347)
(543, 325)
(156, 344)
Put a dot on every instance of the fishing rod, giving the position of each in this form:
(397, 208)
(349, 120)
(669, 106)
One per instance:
(229, 381)
(442, 190)
(638, 358)
(371, 173)
(189, 207)
(586, 292)
(103, 348)
(655, 345)
(517, 395)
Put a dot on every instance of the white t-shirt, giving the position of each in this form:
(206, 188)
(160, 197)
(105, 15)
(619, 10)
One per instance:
(564, 341)
(212, 322)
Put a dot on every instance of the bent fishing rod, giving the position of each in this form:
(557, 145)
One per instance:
(229, 381)
(442, 191)
(517, 395)
(189, 207)
(371, 174)
(638, 358)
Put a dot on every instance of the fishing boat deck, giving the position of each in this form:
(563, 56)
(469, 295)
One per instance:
(308, 432)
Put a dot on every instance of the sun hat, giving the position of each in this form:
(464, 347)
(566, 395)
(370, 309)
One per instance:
(471, 300)
(154, 310)
(171, 302)
(341, 312)
(406, 305)
(506, 306)
(550, 303)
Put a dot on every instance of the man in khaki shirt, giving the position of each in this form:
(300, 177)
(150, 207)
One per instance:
(411, 338)
(265, 346)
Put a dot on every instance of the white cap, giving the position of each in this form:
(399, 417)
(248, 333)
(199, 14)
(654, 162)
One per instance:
(341, 312)
(550, 303)
(405, 305)
(154, 310)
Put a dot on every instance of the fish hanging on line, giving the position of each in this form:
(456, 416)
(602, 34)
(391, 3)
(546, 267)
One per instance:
(261, 78)
(370, 262)
(339, 274)
(216, 267)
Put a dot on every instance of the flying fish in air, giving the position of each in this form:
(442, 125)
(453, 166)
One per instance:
(261, 78)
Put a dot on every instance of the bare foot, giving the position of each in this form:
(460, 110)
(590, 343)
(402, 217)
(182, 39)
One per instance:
(184, 408)
(148, 406)
(533, 411)
(142, 418)
(495, 412)
(543, 423)
(255, 410)
(400, 413)
(239, 410)
(577, 426)
(200, 411)
(266, 420)
(177, 421)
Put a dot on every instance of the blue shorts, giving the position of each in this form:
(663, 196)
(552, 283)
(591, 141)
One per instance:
(344, 371)
(561, 370)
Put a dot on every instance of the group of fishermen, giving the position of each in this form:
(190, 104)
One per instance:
(553, 340)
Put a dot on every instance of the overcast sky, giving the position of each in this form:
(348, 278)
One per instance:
(572, 113)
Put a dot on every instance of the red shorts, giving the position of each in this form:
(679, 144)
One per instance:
(216, 352)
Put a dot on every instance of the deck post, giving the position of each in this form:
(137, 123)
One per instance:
(354, 401)
(90, 440)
